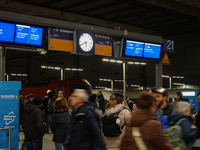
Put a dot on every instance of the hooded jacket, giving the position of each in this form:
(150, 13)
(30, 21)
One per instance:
(189, 134)
(124, 116)
(33, 121)
(150, 130)
(85, 133)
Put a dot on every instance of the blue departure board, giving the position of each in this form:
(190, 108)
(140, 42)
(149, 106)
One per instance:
(28, 35)
(152, 50)
(141, 49)
(134, 48)
(7, 31)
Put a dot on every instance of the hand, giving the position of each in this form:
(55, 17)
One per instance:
(176, 149)
(193, 126)
(193, 116)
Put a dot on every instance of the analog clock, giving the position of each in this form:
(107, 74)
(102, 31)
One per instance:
(86, 42)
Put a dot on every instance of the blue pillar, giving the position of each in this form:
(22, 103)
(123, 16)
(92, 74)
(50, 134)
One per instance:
(9, 112)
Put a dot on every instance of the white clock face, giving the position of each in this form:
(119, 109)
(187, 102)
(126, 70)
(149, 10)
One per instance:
(86, 42)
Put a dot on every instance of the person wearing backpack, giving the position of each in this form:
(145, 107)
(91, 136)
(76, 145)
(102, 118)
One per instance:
(149, 132)
(114, 131)
(181, 116)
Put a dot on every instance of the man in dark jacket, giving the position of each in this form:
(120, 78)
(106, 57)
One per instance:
(165, 109)
(84, 131)
(101, 101)
(33, 124)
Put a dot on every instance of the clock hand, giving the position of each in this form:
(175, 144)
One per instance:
(83, 43)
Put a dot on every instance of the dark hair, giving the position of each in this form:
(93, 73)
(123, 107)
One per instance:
(60, 103)
(100, 92)
(119, 95)
(198, 94)
(153, 89)
(119, 100)
(170, 99)
(179, 94)
(146, 100)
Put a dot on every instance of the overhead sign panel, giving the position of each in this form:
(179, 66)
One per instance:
(141, 49)
(90, 43)
(103, 45)
(22, 35)
(60, 39)
(168, 46)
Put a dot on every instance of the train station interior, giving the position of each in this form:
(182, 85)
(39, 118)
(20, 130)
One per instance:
(172, 24)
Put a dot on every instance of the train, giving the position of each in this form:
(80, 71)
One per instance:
(67, 86)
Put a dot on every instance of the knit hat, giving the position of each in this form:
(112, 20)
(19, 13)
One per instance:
(38, 100)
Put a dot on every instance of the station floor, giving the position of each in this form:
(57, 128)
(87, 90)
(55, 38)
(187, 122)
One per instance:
(48, 144)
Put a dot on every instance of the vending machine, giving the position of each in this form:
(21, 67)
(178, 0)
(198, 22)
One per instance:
(192, 96)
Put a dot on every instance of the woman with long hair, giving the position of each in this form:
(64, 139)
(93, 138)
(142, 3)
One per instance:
(60, 123)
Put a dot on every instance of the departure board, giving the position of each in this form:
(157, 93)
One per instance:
(7, 31)
(103, 45)
(134, 48)
(28, 35)
(152, 50)
(60, 39)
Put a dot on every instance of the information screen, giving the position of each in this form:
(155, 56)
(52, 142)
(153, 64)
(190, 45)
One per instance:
(152, 51)
(141, 49)
(28, 35)
(7, 31)
(134, 48)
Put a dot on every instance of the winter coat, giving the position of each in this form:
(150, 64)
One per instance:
(33, 121)
(85, 133)
(189, 134)
(60, 126)
(26, 101)
(150, 130)
(124, 116)
(101, 101)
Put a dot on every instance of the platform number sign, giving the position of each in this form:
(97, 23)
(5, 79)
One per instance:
(168, 45)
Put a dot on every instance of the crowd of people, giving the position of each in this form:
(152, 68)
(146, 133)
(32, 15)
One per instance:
(89, 122)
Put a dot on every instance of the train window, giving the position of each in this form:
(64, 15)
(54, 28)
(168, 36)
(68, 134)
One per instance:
(78, 86)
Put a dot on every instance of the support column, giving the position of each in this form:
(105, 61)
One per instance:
(159, 72)
(170, 82)
(61, 74)
(2, 63)
(111, 85)
(124, 79)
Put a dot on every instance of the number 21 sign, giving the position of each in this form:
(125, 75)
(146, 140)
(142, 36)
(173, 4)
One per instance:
(168, 45)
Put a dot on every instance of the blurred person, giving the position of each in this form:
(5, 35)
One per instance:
(84, 129)
(134, 107)
(21, 109)
(111, 104)
(125, 104)
(112, 96)
(189, 130)
(179, 96)
(165, 109)
(60, 94)
(101, 101)
(116, 107)
(33, 124)
(60, 123)
(152, 90)
(29, 98)
(171, 100)
(150, 130)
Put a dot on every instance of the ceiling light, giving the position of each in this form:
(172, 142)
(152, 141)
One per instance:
(143, 63)
(67, 68)
(136, 63)
(130, 63)
(80, 69)
(43, 66)
(13, 74)
(57, 68)
(119, 61)
(105, 59)
(74, 69)
(112, 60)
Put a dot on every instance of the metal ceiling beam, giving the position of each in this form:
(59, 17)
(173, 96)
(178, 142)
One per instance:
(50, 2)
(70, 25)
(168, 6)
(77, 4)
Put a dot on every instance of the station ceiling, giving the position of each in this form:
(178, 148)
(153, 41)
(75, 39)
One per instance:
(160, 17)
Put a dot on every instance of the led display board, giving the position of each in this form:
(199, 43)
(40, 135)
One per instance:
(60, 39)
(21, 34)
(141, 49)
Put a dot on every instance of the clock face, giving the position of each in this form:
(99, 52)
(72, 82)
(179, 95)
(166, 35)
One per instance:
(86, 42)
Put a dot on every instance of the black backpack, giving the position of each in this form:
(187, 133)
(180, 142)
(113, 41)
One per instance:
(50, 105)
(110, 126)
